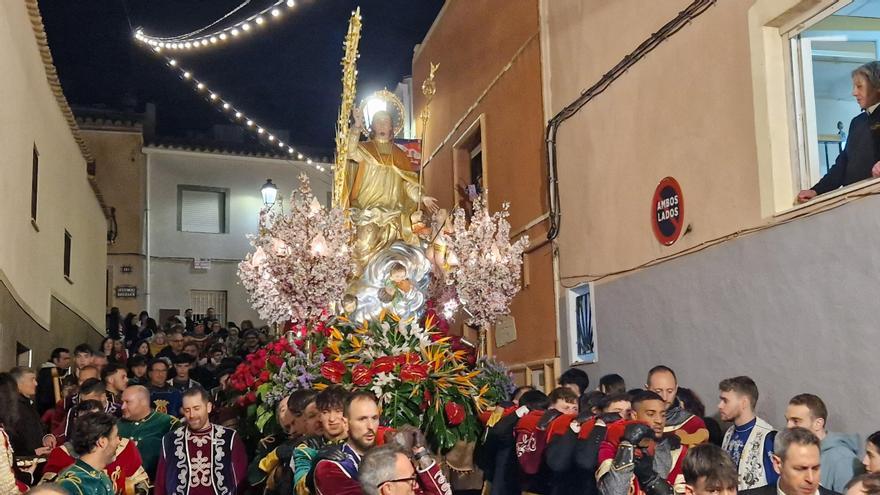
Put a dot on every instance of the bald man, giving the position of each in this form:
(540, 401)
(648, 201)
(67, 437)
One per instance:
(143, 425)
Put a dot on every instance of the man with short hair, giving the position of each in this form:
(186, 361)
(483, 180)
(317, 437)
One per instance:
(49, 379)
(163, 397)
(640, 455)
(250, 342)
(143, 425)
(336, 472)
(91, 389)
(612, 384)
(388, 470)
(270, 464)
(99, 360)
(796, 460)
(689, 427)
(840, 458)
(137, 364)
(575, 379)
(28, 436)
(82, 357)
(564, 400)
(126, 470)
(329, 404)
(749, 441)
(174, 347)
(115, 379)
(94, 441)
(181, 381)
(708, 470)
(201, 458)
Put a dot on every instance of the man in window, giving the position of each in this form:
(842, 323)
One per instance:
(860, 159)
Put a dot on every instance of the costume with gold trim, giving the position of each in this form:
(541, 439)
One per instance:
(83, 479)
(668, 457)
(125, 471)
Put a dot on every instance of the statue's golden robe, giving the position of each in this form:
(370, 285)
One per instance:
(382, 193)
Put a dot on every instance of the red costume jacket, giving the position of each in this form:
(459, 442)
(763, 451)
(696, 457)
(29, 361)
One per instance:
(608, 450)
(336, 478)
(125, 471)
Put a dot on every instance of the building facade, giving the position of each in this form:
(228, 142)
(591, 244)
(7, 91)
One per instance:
(725, 98)
(485, 136)
(53, 248)
(200, 207)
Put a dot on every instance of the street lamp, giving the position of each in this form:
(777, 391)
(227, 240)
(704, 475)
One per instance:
(269, 192)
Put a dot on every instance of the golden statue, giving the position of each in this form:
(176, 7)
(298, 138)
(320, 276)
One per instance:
(381, 191)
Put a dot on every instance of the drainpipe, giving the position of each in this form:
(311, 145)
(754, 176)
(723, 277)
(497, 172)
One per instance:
(680, 21)
(147, 234)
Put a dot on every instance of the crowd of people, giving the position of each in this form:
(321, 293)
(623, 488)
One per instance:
(150, 411)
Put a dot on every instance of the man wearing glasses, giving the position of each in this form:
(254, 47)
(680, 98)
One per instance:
(388, 470)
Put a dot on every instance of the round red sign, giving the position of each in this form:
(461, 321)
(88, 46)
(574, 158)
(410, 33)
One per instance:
(667, 211)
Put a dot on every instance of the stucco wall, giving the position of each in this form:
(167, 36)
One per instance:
(173, 278)
(794, 307)
(685, 110)
(120, 173)
(474, 41)
(31, 260)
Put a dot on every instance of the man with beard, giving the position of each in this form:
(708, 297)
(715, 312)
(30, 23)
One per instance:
(689, 427)
(637, 456)
(94, 441)
(336, 472)
(749, 441)
(202, 458)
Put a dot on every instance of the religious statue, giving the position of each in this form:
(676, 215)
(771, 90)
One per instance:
(381, 190)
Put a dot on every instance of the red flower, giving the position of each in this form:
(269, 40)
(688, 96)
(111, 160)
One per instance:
(412, 357)
(264, 376)
(384, 364)
(276, 361)
(361, 375)
(251, 397)
(454, 413)
(333, 371)
(414, 372)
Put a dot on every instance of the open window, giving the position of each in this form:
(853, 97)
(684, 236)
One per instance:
(469, 165)
(824, 51)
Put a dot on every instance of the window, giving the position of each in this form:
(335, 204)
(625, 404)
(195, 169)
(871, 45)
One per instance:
(823, 56)
(67, 248)
(469, 165)
(201, 300)
(202, 209)
(35, 173)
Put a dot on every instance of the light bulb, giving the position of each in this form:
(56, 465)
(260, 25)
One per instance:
(238, 115)
(200, 86)
(161, 44)
(309, 161)
(213, 39)
(259, 20)
(276, 12)
(280, 144)
(204, 42)
(223, 36)
(299, 156)
(291, 3)
(246, 26)
(187, 75)
(157, 49)
(188, 45)
(290, 150)
(260, 130)
(172, 62)
(226, 106)
(213, 96)
(234, 32)
(271, 137)
(250, 123)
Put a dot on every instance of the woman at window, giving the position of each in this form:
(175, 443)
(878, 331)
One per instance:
(860, 159)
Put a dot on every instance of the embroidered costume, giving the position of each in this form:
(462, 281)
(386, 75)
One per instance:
(211, 461)
(147, 435)
(750, 447)
(126, 471)
(83, 479)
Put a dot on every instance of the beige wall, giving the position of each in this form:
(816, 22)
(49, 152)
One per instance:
(120, 171)
(686, 110)
(31, 260)
(474, 41)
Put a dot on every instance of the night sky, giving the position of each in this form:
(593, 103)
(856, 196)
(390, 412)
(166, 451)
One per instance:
(286, 76)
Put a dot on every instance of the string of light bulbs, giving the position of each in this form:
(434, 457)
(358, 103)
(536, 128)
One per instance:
(220, 36)
(236, 115)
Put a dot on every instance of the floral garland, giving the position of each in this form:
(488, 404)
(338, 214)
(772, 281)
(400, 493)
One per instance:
(301, 262)
(420, 375)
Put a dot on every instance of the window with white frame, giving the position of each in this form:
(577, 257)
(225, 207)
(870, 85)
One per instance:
(825, 49)
(202, 209)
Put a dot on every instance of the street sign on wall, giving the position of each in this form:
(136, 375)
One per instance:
(667, 211)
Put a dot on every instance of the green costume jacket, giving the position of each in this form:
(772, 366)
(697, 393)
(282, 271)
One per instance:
(83, 479)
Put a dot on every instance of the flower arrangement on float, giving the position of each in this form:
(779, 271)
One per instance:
(419, 374)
